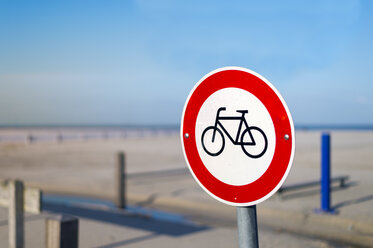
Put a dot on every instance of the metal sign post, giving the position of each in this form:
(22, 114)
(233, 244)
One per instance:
(247, 227)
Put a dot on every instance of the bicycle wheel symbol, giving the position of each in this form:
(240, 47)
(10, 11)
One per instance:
(254, 134)
(213, 141)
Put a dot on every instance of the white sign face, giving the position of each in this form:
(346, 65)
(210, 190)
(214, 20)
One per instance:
(246, 142)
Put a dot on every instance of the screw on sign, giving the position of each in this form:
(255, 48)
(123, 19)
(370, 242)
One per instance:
(237, 136)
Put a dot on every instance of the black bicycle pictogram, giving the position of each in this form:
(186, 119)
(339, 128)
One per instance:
(248, 130)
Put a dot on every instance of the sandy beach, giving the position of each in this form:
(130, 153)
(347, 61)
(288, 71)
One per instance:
(85, 166)
(88, 166)
(158, 176)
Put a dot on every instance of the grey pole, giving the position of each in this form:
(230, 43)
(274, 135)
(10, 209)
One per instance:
(16, 224)
(121, 181)
(62, 231)
(247, 227)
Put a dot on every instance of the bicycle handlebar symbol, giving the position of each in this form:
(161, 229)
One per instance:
(248, 130)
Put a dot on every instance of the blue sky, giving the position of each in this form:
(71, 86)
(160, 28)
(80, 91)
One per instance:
(134, 62)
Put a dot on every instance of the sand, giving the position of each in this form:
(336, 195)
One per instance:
(84, 165)
(87, 167)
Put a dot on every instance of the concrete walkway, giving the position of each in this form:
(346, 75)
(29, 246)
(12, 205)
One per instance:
(104, 227)
(294, 211)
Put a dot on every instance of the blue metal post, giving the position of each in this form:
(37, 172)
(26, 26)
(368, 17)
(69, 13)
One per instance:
(325, 172)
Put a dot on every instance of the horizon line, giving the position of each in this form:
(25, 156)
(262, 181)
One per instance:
(340, 126)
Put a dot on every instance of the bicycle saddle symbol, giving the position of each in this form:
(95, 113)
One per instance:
(210, 133)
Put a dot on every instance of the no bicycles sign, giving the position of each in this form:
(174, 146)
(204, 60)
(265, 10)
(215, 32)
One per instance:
(238, 136)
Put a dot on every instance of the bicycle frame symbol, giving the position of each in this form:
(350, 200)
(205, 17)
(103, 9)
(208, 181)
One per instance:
(218, 129)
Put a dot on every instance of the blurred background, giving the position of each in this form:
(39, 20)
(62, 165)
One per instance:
(82, 82)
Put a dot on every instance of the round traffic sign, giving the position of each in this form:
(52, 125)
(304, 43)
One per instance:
(237, 136)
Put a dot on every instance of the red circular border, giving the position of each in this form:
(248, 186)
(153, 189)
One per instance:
(260, 188)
